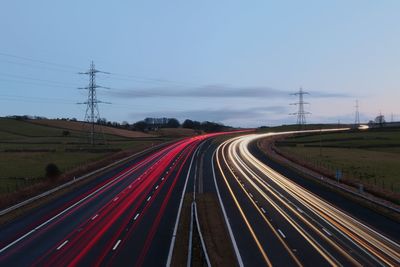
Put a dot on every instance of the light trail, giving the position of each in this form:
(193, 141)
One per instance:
(356, 242)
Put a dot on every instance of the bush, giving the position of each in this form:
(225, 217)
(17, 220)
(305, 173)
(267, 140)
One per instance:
(52, 171)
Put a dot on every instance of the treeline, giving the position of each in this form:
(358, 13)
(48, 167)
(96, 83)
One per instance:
(148, 124)
(153, 124)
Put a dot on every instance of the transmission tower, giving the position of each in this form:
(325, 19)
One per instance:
(357, 117)
(301, 113)
(92, 109)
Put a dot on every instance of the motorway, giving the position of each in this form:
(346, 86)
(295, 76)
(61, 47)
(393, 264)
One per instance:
(126, 217)
(130, 215)
(282, 223)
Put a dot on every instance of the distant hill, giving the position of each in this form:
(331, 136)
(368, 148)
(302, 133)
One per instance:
(80, 126)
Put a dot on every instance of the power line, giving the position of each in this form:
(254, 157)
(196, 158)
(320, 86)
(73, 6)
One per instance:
(34, 79)
(301, 113)
(39, 61)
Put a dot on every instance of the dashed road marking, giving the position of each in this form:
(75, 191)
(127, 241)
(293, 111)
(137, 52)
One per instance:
(116, 244)
(63, 244)
(136, 216)
(281, 233)
(300, 210)
(95, 216)
(327, 232)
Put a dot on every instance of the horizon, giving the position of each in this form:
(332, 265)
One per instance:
(231, 63)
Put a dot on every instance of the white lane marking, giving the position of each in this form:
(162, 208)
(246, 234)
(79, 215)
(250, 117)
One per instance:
(156, 187)
(137, 215)
(148, 198)
(63, 244)
(281, 233)
(172, 244)
(263, 210)
(130, 186)
(95, 216)
(162, 179)
(327, 232)
(116, 244)
(233, 240)
(166, 172)
(300, 210)
(71, 207)
(115, 199)
(251, 195)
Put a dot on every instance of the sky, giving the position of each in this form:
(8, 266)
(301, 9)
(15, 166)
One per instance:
(228, 61)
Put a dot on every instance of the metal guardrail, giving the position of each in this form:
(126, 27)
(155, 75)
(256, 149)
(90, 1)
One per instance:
(67, 184)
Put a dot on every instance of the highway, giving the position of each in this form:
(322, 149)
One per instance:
(126, 217)
(276, 221)
(129, 216)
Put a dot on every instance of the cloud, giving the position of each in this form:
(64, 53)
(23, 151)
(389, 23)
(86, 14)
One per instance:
(210, 91)
(321, 94)
(214, 91)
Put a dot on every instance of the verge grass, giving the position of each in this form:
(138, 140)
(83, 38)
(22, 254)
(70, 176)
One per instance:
(372, 157)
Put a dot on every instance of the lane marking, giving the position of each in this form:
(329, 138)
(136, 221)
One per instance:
(281, 233)
(115, 199)
(172, 244)
(116, 245)
(110, 183)
(263, 210)
(300, 210)
(148, 198)
(95, 216)
(156, 187)
(137, 215)
(63, 244)
(326, 231)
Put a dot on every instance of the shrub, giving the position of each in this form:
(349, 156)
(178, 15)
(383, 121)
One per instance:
(52, 171)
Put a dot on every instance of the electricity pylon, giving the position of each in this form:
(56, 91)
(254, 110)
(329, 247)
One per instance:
(92, 114)
(301, 113)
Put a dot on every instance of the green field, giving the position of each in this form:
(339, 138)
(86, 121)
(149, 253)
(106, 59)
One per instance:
(371, 157)
(21, 164)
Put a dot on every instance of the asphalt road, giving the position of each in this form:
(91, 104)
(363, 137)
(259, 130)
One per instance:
(129, 216)
(277, 221)
(126, 217)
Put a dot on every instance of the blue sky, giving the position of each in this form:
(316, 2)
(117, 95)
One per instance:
(234, 62)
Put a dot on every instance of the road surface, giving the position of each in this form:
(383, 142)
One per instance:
(129, 216)
(276, 221)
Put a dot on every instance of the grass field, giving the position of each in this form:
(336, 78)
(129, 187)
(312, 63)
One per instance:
(79, 126)
(371, 157)
(26, 148)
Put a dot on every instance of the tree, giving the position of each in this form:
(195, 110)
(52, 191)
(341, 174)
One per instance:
(125, 124)
(52, 171)
(140, 125)
(173, 123)
(380, 120)
(66, 133)
(188, 124)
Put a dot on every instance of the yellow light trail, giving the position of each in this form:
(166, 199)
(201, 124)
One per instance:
(377, 246)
